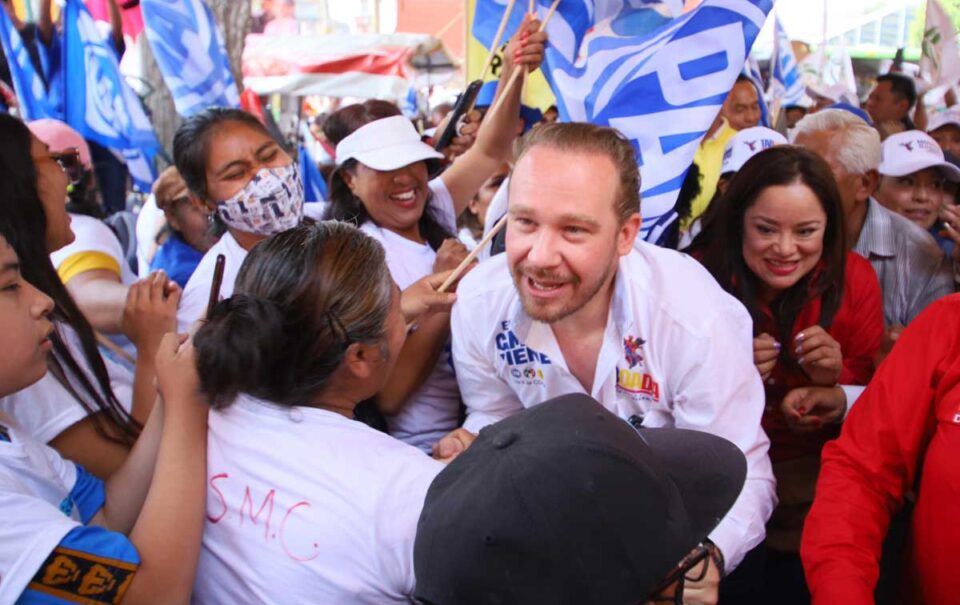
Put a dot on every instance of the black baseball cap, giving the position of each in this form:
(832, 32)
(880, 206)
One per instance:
(565, 502)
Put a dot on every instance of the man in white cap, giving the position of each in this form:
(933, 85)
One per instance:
(576, 305)
(915, 178)
(944, 127)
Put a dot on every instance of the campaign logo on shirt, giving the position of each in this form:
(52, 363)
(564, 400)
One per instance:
(631, 350)
(641, 386)
(525, 364)
(634, 380)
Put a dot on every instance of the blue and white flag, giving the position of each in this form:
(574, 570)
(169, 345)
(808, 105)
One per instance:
(785, 81)
(32, 95)
(752, 70)
(99, 103)
(662, 90)
(190, 53)
(640, 17)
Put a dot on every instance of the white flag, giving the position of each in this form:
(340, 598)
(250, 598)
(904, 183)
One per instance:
(940, 61)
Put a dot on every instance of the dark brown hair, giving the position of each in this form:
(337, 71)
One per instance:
(25, 226)
(302, 297)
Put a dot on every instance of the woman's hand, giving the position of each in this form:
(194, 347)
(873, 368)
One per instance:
(151, 311)
(819, 355)
(765, 352)
(526, 46)
(450, 255)
(466, 134)
(176, 363)
(421, 297)
(808, 409)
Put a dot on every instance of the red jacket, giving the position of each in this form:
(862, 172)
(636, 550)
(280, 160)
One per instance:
(857, 326)
(912, 405)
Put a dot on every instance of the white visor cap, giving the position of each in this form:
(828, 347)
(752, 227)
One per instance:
(385, 144)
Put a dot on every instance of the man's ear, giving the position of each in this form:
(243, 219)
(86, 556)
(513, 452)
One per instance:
(627, 234)
(867, 184)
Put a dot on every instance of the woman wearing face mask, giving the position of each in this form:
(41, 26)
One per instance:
(87, 407)
(381, 184)
(314, 327)
(244, 179)
(776, 243)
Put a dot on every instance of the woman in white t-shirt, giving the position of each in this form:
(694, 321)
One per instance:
(67, 536)
(306, 504)
(87, 408)
(381, 184)
(247, 183)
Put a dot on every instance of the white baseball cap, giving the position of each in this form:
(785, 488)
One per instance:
(912, 151)
(746, 144)
(939, 119)
(385, 144)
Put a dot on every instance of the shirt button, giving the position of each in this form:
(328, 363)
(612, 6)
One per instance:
(296, 415)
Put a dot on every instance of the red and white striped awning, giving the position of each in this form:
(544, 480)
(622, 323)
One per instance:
(341, 65)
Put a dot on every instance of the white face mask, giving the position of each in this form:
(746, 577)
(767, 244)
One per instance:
(270, 203)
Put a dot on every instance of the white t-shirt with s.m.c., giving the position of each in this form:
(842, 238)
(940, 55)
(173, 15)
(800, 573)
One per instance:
(307, 506)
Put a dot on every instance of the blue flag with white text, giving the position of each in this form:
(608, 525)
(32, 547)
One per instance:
(99, 103)
(785, 81)
(32, 95)
(191, 55)
(662, 89)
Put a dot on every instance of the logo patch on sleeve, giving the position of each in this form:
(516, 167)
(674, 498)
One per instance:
(80, 577)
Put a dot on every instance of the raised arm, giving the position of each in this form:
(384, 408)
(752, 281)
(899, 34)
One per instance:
(159, 494)
(498, 131)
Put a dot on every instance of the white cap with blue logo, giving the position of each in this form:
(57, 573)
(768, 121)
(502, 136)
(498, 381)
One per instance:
(746, 144)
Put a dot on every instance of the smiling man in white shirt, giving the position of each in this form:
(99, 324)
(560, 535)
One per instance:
(577, 305)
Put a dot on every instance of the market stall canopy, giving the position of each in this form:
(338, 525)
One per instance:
(343, 65)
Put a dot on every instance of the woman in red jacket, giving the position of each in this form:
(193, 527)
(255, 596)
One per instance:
(906, 419)
(777, 244)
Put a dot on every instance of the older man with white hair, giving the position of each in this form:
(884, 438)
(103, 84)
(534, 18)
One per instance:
(912, 269)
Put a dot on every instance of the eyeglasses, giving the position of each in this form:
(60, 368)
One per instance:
(69, 160)
(692, 568)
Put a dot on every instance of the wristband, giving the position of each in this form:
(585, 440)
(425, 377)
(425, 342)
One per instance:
(715, 555)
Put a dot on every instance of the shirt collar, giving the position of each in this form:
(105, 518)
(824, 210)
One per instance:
(876, 236)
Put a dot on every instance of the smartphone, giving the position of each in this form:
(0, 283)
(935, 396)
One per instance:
(464, 104)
